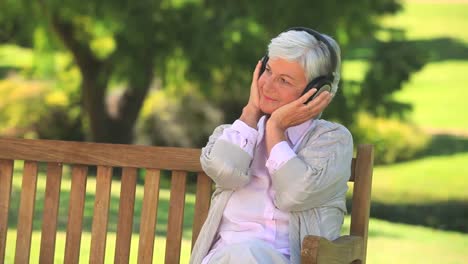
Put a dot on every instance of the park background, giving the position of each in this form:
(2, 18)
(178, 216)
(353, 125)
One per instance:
(167, 72)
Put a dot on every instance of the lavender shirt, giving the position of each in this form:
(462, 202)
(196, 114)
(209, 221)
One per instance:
(311, 186)
(251, 213)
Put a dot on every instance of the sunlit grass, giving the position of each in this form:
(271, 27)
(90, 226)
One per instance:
(399, 243)
(439, 94)
(388, 243)
(431, 20)
(158, 253)
(422, 181)
(439, 91)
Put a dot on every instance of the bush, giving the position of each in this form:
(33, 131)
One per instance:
(186, 121)
(393, 140)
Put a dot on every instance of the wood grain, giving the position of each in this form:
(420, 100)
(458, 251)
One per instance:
(176, 217)
(125, 218)
(26, 212)
(49, 219)
(202, 204)
(343, 250)
(6, 176)
(75, 214)
(116, 155)
(149, 216)
(362, 195)
(100, 215)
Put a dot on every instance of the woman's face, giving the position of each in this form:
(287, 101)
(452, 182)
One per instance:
(282, 82)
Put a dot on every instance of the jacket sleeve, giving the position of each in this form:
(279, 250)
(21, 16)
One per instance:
(224, 162)
(319, 173)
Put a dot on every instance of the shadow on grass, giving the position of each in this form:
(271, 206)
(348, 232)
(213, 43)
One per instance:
(449, 215)
(445, 144)
(437, 49)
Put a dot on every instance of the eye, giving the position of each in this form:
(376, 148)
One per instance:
(268, 70)
(284, 81)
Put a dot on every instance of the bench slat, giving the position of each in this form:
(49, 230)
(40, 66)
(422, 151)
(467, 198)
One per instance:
(75, 213)
(126, 211)
(26, 212)
(51, 204)
(176, 217)
(101, 214)
(115, 155)
(353, 168)
(362, 194)
(6, 176)
(202, 204)
(149, 216)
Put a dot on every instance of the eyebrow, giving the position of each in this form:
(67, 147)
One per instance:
(283, 74)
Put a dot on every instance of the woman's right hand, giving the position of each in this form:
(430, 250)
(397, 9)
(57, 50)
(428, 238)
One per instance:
(251, 112)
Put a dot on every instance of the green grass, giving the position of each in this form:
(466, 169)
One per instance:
(424, 180)
(439, 94)
(398, 243)
(161, 226)
(388, 243)
(439, 91)
(395, 188)
(430, 20)
(158, 253)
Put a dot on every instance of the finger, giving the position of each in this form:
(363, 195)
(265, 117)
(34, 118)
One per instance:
(324, 96)
(307, 95)
(320, 103)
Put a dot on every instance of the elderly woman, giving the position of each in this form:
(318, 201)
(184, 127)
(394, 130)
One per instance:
(280, 172)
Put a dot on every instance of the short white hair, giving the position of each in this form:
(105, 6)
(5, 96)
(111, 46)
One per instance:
(313, 55)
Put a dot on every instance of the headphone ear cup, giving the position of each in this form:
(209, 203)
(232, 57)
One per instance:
(263, 66)
(322, 84)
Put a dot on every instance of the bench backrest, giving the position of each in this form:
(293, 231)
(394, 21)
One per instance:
(179, 161)
(106, 157)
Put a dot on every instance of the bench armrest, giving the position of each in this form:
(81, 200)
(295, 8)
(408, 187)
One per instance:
(317, 250)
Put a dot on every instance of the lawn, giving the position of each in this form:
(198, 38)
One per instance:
(388, 243)
(439, 91)
(389, 187)
(431, 179)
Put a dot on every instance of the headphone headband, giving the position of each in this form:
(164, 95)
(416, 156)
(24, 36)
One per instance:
(321, 38)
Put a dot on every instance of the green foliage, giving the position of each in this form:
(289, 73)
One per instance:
(130, 43)
(181, 122)
(21, 106)
(42, 102)
(393, 140)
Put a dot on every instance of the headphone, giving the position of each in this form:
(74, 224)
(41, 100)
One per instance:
(322, 83)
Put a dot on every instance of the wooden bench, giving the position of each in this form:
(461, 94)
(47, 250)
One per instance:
(130, 158)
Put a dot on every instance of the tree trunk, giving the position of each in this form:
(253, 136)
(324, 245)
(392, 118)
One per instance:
(95, 78)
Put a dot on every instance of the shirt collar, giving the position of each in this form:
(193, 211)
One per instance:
(296, 132)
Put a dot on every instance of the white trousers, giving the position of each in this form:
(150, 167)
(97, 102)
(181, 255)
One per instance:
(249, 252)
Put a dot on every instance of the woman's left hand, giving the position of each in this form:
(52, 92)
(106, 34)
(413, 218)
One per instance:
(297, 112)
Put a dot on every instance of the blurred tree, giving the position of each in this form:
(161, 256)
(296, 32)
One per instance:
(213, 45)
(393, 61)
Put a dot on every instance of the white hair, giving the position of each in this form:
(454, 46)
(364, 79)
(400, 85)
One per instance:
(313, 55)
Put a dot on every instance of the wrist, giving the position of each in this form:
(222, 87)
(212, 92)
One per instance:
(274, 134)
(250, 115)
(274, 125)
(274, 128)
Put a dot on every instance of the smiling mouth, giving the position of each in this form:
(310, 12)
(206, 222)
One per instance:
(268, 98)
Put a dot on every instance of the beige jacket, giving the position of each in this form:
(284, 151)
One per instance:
(311, 187)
